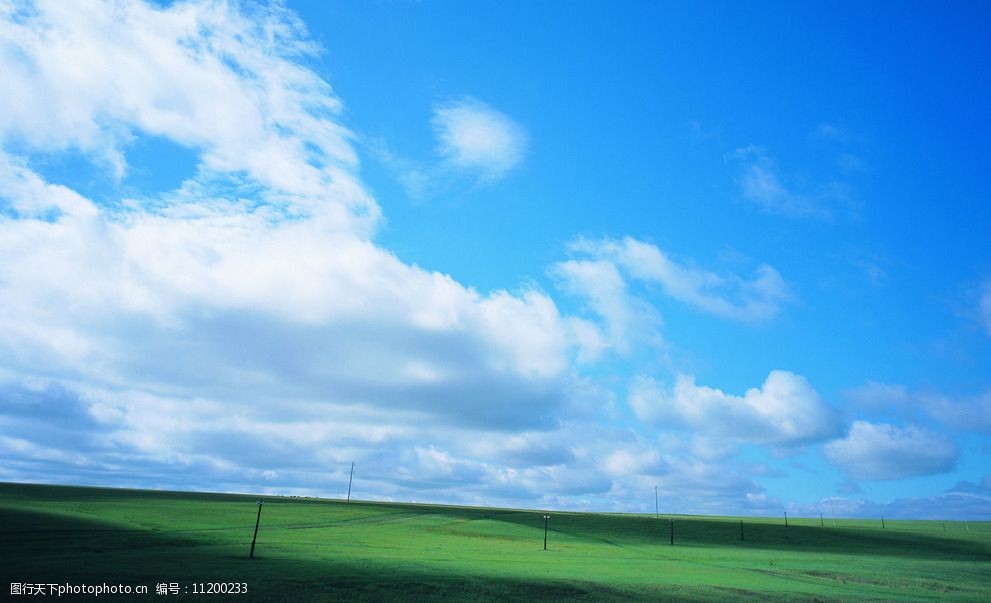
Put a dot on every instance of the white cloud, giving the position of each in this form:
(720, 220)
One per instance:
(606, 269)
(726, 295)
(763, 184)
(475, 137)
(685, 483)
(964, 413)
(475, 145)
(784, 411)
(628, 319)
(249, 305)
(880, 398)
(882, 452)
(91, 77)
(835, 133)
(984, 309)
(964, 501)
(972, 413)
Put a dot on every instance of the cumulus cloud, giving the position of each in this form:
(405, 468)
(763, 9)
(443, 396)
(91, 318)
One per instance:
(475, 137)
(726, 295)
(883, 452)
(784, 411)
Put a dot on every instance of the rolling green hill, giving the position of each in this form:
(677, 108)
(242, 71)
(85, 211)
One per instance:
(310, 549)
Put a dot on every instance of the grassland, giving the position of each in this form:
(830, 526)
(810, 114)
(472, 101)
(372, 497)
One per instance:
(327, 550)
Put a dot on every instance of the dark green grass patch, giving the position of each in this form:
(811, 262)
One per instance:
(327, 550)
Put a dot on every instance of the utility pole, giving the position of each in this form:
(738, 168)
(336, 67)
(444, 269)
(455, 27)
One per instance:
(349, 481)
(251, 554)
(546, 517)
(786, 519)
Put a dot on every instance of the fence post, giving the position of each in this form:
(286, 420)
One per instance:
(251, 554)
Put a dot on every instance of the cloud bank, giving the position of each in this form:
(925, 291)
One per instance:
(251, 304)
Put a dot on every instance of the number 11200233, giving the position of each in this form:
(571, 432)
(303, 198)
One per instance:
(220, 588)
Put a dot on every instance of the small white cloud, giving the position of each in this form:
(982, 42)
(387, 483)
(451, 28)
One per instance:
(726, 295)
(784, 411)
(984, 307)
(963, 413)
(874, 397)
(883, 452)
(475, 137)
(762, 184)
(849, 163)
(628, 319)
(971, 413)
(835, 133)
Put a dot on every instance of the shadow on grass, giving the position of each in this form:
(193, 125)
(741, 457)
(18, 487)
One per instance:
(45, 548)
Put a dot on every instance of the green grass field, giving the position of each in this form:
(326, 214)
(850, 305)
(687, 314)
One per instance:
(311, 549)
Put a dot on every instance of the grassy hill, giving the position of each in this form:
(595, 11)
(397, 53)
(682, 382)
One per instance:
(309, 549)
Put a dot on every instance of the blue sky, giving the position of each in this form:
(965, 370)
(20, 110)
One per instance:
(527, 254)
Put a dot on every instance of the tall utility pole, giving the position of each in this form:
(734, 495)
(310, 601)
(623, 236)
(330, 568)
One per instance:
(349, 481)
(546, 517)
(656, 508)
(251, 554)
